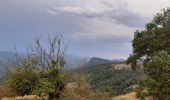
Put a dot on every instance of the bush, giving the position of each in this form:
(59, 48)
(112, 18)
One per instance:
(21, 81)
(43, 88)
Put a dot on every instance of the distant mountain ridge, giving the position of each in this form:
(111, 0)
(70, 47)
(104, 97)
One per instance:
(6, 54)
(98, 61)
(71, 60)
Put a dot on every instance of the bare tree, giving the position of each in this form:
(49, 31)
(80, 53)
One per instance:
(50, 56)
(45, 57)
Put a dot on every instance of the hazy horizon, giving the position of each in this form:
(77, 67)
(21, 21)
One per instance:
(95, 28)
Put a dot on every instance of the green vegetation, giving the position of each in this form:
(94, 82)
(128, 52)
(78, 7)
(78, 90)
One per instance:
(40, 71)
(105, 78)
(21, 81)
(153, 48)
(43, 88)
(156, 80)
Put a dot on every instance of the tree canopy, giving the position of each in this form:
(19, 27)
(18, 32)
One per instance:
(152, 47)
(154, 38)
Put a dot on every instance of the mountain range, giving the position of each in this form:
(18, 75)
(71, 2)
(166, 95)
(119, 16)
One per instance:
(71, 60)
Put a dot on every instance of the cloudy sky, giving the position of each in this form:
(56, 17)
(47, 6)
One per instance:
(102, 28)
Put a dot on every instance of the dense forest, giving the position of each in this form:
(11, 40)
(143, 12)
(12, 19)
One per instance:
(105, 78)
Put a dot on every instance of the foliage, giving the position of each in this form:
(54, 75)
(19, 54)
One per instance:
(40, 71)
(152, 46)
(153, 39)
(22, 81)
(158, 76)
(51, 62)
(56, 78)
(105, 78)
(43, 88)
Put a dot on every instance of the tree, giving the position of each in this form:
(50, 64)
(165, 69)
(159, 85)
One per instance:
(44, 61)
(50, 61)
(158, 72)
(154, 38)
(152, 47)
(51, 55)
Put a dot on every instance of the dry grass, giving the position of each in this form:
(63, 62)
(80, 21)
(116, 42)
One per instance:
(73, 91)
(30, 97)
(129, 96)
(6, 92)
(120, 66)
(82, 91)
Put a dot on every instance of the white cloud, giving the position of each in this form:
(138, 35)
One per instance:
(106, 19)
(88, 9)
(117, 11)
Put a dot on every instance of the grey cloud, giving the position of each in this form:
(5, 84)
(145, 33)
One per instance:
(128, 18)
(121, 14)
(20, 22)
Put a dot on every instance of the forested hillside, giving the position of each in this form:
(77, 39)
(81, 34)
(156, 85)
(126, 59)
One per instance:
(105, 78)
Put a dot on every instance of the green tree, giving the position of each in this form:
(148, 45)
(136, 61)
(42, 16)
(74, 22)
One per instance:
(154, 38)
(158, 72)
(152, 47)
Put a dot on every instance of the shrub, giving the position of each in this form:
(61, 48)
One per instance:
(43, 88)
(21, 81)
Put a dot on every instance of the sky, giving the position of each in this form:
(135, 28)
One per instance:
(100, 28)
